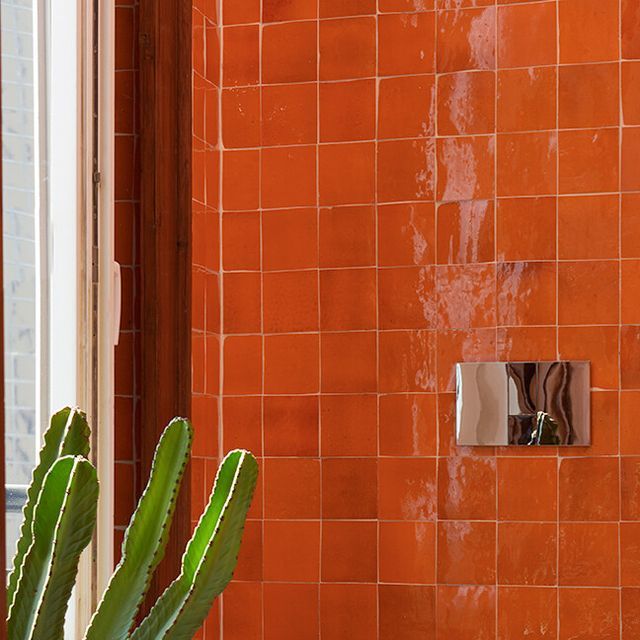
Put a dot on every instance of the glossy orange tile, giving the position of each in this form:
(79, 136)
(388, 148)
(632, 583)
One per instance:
(406, 298)
(466, 39)
(407, 425)
(243, 611)
(291, 426)
(630, 158)
(242, 56)
(630, 488)
(290, 301)
(527, 35)
(406, 361)
(347, 237)
(278, 11)
(588, 30)
(347, 299)
(526, 293)
(466, 345)
(349, 488)
(406, 44)
(588, 292)
(289, 239)
(407, 552)
(288, 177)
(597, 344)
(405, 170)
(290, 609)
(629, 33)
(289, 52)
(245, 414)
(291, 363)
(241, 117)
(592, 614)
(338, 8)
(291, 551)
(292, 488)
(526, 99)
(588, 95)
(526, 164)
(588, 227)
(407, 489)
(349, 362)
(527, 553)
(242, 300)
(467, 488)
(629, 431)
(630, 554)
(466, 169)
(347, 48)
(240, 241)
(582, 154)
(588, 554)
(526, 343)
(533, 240)
(527, 612)
(514, 476)
(240, 12)
(467, 612)
(630, 93)
(629, 352)
(466, 296)
(242, 365)
(630, 225)
(289, 114)
(406, 234)
(406, 107)
(630, 291)
(349, 551)
(240, 186)
(630, 602)
(406, 610)
(465, 232)
(348, 609)
(596, 477)
(347, 173)
(466, 553)
(349, 425)
(347, 110)
(466, 103)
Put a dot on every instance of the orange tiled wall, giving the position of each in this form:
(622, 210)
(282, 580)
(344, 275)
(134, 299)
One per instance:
(205, 275)
(127, 215)
(405, 186)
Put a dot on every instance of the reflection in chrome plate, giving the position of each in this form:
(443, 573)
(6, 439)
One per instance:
(523, 403)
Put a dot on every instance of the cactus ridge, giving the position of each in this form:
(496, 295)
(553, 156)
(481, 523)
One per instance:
(64, 520)
(146, 536)
(210, 556)
(68, 434)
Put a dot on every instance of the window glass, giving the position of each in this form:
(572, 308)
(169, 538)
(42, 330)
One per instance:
(21, 247)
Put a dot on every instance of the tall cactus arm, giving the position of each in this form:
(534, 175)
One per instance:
(211, 555)
(146, 537)
(63, 524)
(68, 434)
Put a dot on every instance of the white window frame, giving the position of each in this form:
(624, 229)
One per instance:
(81, 207)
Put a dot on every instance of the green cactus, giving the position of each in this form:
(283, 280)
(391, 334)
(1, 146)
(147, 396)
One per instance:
(59, 519)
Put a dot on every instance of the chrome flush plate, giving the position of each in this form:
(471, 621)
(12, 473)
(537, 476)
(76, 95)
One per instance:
(523, 403)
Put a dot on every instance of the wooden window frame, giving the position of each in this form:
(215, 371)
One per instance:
(166, 134)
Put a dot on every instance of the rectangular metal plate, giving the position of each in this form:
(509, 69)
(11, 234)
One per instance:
(523, 403)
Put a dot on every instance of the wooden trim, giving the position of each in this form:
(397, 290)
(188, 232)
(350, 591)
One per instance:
(165, 188)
